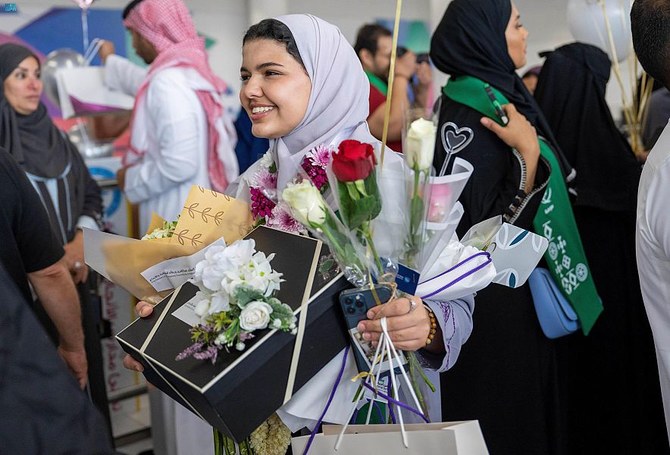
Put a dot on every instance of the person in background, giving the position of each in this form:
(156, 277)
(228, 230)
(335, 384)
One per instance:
(41, 408)
(60, 177)
(571, 93)
(180, 136)
(33, 256)
(657, 116)
(650, 25)
(180, 133)
(51, 162)
(373, 47)
(507, 375)
(249, 148)
(530, 78)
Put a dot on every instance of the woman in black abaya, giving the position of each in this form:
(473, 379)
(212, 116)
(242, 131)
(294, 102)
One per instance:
(612, 376)
(506, 376)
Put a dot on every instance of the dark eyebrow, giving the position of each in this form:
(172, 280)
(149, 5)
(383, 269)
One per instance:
(263, 66)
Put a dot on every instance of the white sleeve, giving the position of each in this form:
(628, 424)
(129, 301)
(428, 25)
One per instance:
(658, 215)
(123, 75)
(455, 320)
(176, 113)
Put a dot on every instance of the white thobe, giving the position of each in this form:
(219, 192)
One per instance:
(653, 255)
(170, 127)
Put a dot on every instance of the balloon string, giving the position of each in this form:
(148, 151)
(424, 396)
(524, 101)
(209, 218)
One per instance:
(389, 93)
(84, 26)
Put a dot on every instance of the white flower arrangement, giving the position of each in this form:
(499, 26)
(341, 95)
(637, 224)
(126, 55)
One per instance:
(237, 284)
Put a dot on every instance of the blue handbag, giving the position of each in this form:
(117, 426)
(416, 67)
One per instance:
(556, 315)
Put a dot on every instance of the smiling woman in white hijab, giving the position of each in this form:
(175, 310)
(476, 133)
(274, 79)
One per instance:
(303, 86)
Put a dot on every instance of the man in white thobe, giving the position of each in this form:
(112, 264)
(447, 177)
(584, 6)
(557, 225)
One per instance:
(650, 22)
(180, 136)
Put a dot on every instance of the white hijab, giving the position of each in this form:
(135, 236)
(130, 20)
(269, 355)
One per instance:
(338, 103)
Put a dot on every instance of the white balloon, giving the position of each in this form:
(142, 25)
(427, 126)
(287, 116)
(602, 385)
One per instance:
(587, 24)
(60, 58)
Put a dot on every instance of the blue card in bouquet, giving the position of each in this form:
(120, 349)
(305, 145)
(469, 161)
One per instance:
(407, 279)
(515, 252)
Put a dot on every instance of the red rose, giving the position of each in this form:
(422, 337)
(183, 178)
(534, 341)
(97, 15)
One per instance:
(353, 161)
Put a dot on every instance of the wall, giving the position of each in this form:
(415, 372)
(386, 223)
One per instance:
(226, 21)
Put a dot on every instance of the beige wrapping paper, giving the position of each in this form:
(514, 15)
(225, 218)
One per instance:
(206, 216)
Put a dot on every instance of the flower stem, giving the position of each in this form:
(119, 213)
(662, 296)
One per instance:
(368, 237)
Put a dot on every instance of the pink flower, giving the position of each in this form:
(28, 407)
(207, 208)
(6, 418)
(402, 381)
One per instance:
(321, 155)
(315, 164)
(265, 179)
(281, 219)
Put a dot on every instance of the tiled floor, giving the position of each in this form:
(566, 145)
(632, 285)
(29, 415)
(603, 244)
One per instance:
(131, 424)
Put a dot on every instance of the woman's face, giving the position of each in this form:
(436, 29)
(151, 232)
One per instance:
(516, 35)
(23, 86)
(275, 88)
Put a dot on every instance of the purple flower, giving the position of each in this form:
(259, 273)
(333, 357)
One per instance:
(244, 336)
(190, 351)
(210, 353)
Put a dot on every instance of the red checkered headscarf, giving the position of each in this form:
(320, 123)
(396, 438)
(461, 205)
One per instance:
(168, 26)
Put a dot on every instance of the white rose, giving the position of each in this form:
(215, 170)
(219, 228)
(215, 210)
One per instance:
(254, 316)
(420, 144)
(306, 202)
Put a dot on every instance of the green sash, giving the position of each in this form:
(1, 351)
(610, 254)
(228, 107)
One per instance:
(554, 219)
(377, 83)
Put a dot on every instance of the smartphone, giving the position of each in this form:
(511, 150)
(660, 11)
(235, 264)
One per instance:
(355, 304)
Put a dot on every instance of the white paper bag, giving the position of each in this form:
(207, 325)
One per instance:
(82, 91)
(445, 438)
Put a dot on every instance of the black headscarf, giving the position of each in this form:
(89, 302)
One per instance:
(33, 140)
(470, 41)
(571, 92)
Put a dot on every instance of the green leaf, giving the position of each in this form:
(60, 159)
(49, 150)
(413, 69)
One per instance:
(245, 294)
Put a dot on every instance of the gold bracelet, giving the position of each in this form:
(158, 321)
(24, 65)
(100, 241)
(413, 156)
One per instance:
(433, 325)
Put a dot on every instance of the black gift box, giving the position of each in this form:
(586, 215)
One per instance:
(242, 389)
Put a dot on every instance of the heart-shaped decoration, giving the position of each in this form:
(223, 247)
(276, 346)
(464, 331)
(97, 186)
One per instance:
(455, 139)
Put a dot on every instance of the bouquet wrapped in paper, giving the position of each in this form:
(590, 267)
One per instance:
(206, 217)
(420, 239)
